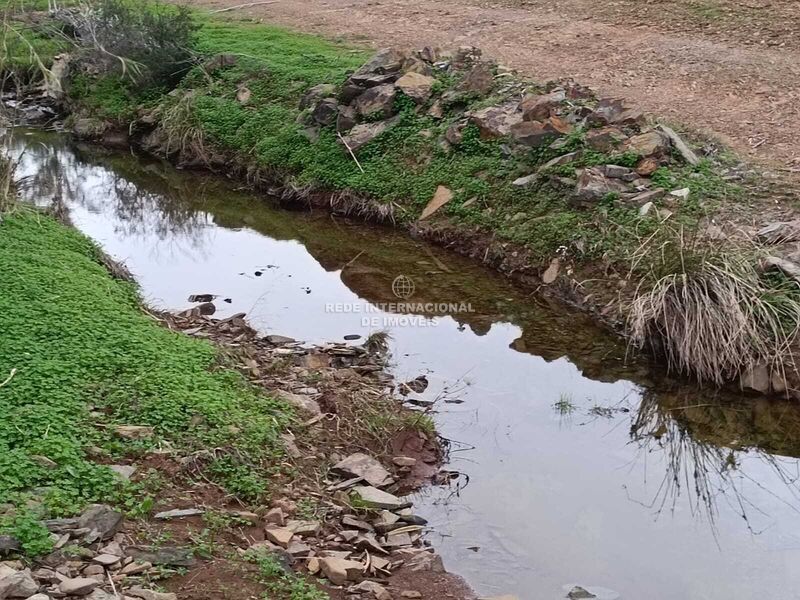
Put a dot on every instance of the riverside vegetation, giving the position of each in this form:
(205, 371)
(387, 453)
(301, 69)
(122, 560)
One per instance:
(103, 401)
(546, 182)
(100, 398)
(543, 181)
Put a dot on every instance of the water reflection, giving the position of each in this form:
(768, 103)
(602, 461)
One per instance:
(620, 494)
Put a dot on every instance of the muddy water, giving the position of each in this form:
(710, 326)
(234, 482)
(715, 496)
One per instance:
(575, 467)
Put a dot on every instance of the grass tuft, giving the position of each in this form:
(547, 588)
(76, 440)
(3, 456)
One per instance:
(719, 320)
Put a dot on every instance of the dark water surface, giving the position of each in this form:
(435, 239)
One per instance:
(581, 470)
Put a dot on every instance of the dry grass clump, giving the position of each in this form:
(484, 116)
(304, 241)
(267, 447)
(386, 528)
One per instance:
(720, 320)
(7, 197)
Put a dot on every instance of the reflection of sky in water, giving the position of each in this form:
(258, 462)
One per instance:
(552, 499)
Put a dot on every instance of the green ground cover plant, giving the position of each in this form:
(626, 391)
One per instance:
(80, 357)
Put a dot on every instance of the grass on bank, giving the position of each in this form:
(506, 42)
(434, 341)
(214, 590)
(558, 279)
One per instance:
(403, 167)
(81, 357)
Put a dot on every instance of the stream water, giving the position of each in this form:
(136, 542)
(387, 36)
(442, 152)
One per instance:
(577, 467)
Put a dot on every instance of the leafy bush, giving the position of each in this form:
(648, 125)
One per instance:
(158, 39)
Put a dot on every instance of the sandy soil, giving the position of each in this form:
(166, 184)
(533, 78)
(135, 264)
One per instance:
(728, 74)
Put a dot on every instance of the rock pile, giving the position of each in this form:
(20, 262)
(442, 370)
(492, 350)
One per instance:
(368, 534)
(90, 560)
(367, 531)
(524, 115)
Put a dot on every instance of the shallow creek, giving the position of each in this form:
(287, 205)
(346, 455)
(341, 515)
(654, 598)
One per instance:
(576, 467)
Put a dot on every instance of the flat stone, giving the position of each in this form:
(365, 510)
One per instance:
(316, 93)
(136, 568)
(125, 472)
(340, 570)
(280, 536)
(682, 194)
(304, 528)
(301, 402)
(92, 570)
(372, 588)
(416, 86)
(525, 181)
(100, 594)
(422, 560)
(385, 65)
(398, 540)
(593, 186)
(18, 584)
(279, 340)
(39, 597)
(441, 197)
(296, 548)
(367, 541)
(179, 513)
(351, 521)
(404, 461)
(538, 133)
(558, 161)
(349, 535)
(78, 586)
(410, 594)
(386, 517)
(362, 134)
(478, 81)
(611, 111)
(313, 565)
(106, 560)
(374, 498)
(616, 171)
(101, 519)
(363, 465)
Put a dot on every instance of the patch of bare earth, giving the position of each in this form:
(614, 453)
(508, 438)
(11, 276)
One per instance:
(698, 64)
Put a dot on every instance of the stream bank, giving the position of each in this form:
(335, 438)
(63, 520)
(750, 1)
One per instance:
(541, 407)
(206, 468)
(582, 197)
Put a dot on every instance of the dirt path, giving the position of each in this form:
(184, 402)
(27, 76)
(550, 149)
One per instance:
(722, 81)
